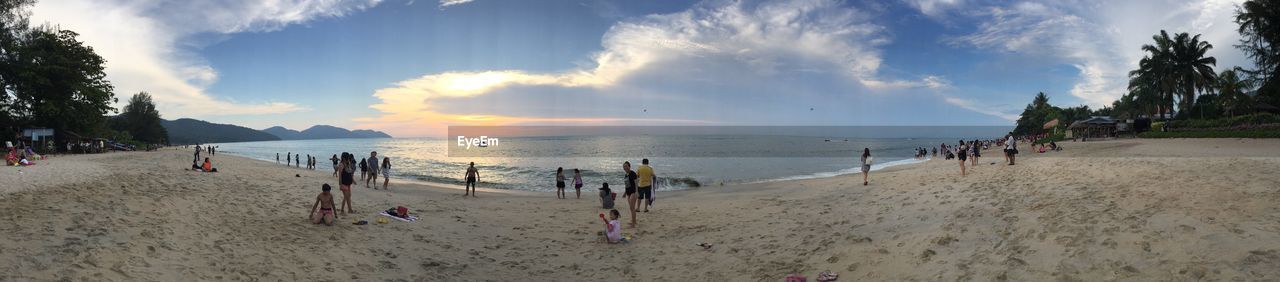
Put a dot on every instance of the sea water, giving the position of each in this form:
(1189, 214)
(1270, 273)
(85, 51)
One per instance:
(681, 162)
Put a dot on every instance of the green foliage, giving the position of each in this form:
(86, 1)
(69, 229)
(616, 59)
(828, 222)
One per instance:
(141, 120)
(59, 82)
(1244, 120)
(1259, 30)
(1212, 134)
(1040, 112)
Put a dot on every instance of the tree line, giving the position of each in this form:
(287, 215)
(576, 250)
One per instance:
(50, 79)
(1176, 76)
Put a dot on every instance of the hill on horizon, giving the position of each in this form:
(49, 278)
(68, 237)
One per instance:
(193, 131)
(323, 132)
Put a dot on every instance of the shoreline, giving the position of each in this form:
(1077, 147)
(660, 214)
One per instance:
(1109, 210)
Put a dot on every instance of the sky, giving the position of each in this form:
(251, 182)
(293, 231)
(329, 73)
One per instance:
(413, 68)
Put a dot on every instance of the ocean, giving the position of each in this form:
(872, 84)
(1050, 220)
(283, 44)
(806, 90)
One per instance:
(681, 162)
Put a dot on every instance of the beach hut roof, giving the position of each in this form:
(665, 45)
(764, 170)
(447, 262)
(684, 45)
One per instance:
(1051, 124)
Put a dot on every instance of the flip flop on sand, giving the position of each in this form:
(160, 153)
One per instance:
(827, 276)
(705, 246)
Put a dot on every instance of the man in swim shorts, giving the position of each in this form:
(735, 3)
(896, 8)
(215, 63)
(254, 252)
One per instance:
(644, 182)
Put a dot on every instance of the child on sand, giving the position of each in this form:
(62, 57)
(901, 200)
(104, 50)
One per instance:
(324, 202)
(612, 228)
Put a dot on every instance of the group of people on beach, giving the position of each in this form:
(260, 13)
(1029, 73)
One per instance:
(345, 166)
(296, 160)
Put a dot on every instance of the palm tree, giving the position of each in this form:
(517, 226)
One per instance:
(1231, 89)
(1174, 70)
(1192, 69)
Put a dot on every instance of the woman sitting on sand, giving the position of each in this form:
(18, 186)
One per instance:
(207, 166)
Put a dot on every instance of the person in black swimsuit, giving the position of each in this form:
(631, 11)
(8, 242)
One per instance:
(630, 192)
(346, 171)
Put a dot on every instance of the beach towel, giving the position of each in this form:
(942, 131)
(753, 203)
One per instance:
(410, 219)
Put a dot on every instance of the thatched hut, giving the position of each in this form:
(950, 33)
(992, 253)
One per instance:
(1094, 127)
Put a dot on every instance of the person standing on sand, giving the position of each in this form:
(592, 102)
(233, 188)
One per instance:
(560, 183)
(644, 182)
(472, 177)
(577, 182)
(347, 170)
(1010, 148)
(288, 158)
(277, 158)
(197, 159)
(866, 164)
(962, 152)
(630, 192)
(364, 170)
(976, 152)
(386, 172)
(373, 170)
(334, 159)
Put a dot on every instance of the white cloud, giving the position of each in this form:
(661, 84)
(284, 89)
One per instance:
(934, 8)
(447, 3)
(1100, 39)
(973, 106)
(143, 43)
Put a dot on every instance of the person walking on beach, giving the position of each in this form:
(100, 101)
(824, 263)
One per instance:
(644, 182)
(866, 164)
(386, 172)
(577, 182)
(962, 152)
(630, 192)
(346, 177)
(197, 159)
(473, 176)
(277, 158)
(373, 170)
(297, 160)
(1010, 148)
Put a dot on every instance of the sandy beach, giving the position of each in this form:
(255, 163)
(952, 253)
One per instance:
(1180, 209)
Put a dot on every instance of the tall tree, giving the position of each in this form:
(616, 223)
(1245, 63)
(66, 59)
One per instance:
(1175, 69)
(141, 120)
(59, 82)
(1192, 68)
(13, 24)
(1259, 30)
(1035, 115)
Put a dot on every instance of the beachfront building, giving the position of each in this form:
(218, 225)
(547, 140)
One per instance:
(1096, 127)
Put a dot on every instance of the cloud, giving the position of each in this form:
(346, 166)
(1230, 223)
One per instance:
(936, 9)
(739, 47)
(145, 44)
(1100, 39)
(973, 106)
(447, 3)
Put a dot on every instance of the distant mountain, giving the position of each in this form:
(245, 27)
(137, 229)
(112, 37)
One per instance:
(191, 131)
(323, 132)
(284, 133)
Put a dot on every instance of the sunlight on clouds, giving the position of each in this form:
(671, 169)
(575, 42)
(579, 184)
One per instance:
(769, 38)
